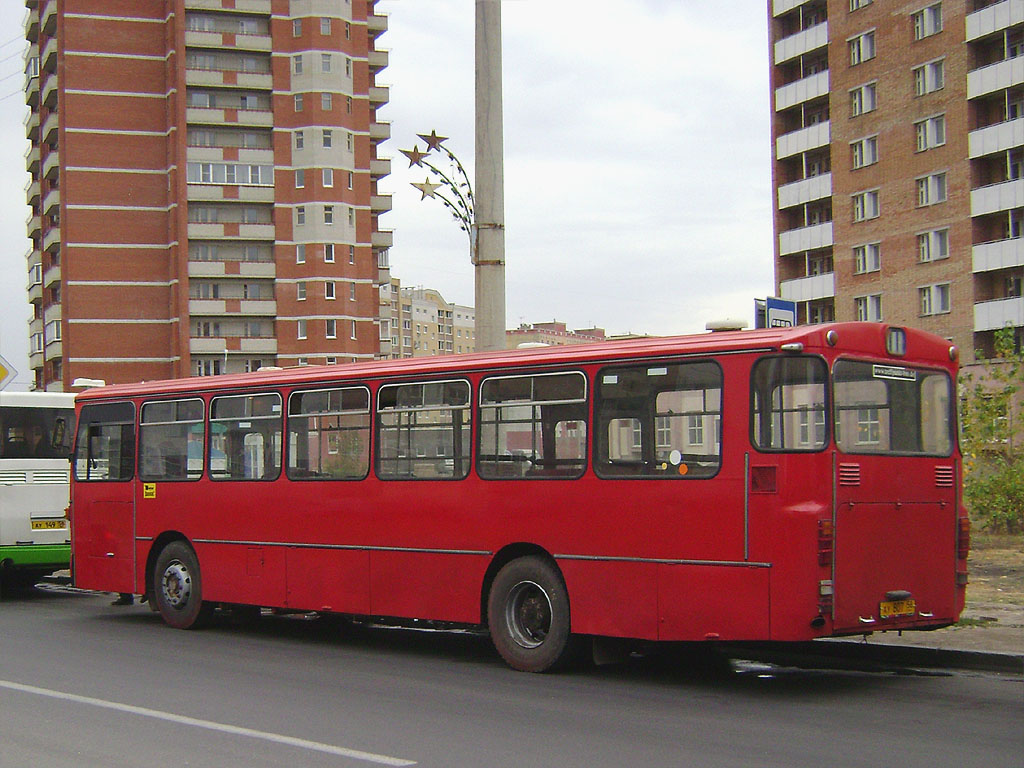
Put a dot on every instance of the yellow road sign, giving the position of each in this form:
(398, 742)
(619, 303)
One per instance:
(7, 373)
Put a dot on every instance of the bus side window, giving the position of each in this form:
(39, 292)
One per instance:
(168, 429)
(245, 437)
(105, 446)
(423, 431)
(659, 421)
(533, 426)
(329, 434)
(788, 404)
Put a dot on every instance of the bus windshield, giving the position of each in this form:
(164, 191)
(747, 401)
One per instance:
(889, 409)
(29, 433)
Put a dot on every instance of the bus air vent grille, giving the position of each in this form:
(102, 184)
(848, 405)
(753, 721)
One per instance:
(50, 476)
(943, 477)
(13, 476)
(849, 474)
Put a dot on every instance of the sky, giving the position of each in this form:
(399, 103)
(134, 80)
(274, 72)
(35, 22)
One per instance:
(637, 160)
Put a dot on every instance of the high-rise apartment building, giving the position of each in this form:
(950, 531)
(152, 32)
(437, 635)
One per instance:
(204, 186)
(898, 163)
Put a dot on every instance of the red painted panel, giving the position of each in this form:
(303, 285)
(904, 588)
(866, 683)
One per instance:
(713, 602)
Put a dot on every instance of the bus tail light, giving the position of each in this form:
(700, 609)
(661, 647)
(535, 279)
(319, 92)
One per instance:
(825, 593)
(826, 543)
(963, 538)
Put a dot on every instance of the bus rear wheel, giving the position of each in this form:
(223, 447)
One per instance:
(178, 587)
(528, 614)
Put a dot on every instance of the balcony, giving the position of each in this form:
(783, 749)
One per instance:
(995, 138)
(253, 6)
(995, 77)
(805, 239)
(196, 39)
(32, 125)
(380, 131)
(378, 95)
(378, 60)
(259, 346)
(780, 7)
(51, 201)
(48, 61)
(1004, 196)
(51, 165)
(32, 193)
(32, 90)
(49, 132)
(382, 239)
(50, 90)
(810, 39)
(999, 254)
(805, 190)
(206, 345)
(34, 225)
(803, 140)
(993, 315)
(48, 18)
(801, 90)
(32, 159)
(380, 166)
(809, 288)
(380, 203)
(376, 24)
(994, 18)
(51, 240)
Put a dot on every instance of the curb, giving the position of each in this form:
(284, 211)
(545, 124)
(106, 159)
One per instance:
(855, 653)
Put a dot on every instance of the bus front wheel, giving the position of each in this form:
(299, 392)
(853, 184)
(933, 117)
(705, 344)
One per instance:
(528, 614)
(178, 587)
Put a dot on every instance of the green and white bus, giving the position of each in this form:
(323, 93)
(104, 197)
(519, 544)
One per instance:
(36, 430)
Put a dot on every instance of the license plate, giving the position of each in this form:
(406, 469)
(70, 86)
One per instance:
(892, 608)
(49, 525)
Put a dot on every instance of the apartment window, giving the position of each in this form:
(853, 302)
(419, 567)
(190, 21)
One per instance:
(351, 216)
(299, 140)
(351, 291)
(931, 189)
(351, 179)
(300, 215)
(868, 308)
(329, 253)
(351, 254)
(328, 214)
(927, 21)
(329, 290)
(297, 64)
(348, 67)
(934, 299)
(325, 26)
(298, 102)
(332, 329)
(865, 151)
(327, 138)
(863, 98)
(858, 4)
(862, 47)
(929, 77)
(328, 177)
(300, 291)
(348, 104)
(934, 245)
(301, 329)
(326, 102)
(867, 258)
(300, 178)
(348, 31)
(296, 27)
(325, 62)
(353, 324)
(1015, 164)
(348, 141)
(865, 205)
(930, 133)
(300, 253)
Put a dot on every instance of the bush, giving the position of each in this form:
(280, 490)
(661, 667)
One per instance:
(992, 438)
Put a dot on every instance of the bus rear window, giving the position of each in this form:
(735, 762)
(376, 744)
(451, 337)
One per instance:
(892, 409)
(788, 404)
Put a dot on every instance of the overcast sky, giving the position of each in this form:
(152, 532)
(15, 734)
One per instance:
(637, 160)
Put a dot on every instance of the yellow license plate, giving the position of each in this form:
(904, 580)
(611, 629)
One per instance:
(49, 525)
(892, 608)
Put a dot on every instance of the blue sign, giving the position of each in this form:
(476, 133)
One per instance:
(779, 313)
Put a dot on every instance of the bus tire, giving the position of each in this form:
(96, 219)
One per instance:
(528, 614)
(178, 587)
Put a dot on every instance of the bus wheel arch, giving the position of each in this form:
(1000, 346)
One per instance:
(174, 583)
(527, 610)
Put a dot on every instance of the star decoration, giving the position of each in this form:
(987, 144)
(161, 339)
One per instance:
(427, 188)
(433, 140)
(414, 155)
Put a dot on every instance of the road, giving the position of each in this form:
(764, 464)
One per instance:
(83, 683)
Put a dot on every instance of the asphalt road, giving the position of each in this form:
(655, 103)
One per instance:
(86, 684)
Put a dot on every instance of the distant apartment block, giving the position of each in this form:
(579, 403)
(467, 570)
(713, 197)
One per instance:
(425, 324)
(552, 334)
(203, 186)
(898, 163)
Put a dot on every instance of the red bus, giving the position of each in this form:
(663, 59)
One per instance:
(782, 484)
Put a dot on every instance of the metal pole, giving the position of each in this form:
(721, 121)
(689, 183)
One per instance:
(489, 224)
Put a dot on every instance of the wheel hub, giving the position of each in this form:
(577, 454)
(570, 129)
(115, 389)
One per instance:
(176, 584)
(528, 614)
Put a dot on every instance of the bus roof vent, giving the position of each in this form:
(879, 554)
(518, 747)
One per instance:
(726, 324)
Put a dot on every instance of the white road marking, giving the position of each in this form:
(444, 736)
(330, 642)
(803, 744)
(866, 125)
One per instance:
(209, 725)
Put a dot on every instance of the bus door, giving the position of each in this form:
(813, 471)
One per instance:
(103, 498)
(895, 489)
